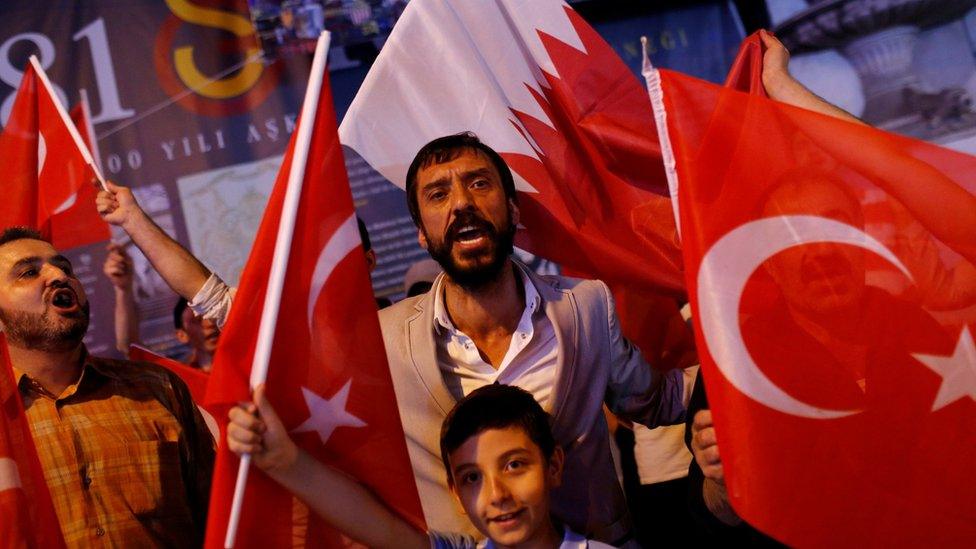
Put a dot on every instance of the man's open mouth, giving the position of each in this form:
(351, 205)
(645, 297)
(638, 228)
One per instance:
(469, 233)
(64, 299)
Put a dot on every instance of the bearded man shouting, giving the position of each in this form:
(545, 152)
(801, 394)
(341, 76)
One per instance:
(126, 454)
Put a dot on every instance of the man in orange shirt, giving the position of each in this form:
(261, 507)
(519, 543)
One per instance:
(126, 455)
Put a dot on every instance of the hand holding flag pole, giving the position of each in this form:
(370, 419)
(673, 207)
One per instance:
(276, 279)
(79, 142)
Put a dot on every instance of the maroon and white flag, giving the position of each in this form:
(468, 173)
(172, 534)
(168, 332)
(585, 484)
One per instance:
(539, 85)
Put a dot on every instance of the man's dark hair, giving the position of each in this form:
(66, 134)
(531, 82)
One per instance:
(364, 235)
(181, 305)
(445, 149)
(19, 233)
(495, 406)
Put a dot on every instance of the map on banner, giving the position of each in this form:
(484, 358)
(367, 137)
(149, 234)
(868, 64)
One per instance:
(222, 209)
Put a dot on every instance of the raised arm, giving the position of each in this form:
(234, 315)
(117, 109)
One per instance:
(339, 499)
(118, 269)
(184, 273)
(942, 206)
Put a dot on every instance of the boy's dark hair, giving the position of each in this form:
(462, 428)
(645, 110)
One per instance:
(19, 233)
(495, 406)
(181, 305)
(445, 149)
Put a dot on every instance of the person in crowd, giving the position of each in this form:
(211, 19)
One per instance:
(498, 452)
(200, 335)
(126, 455)
(488, 319)
(118, 268)
(420, 277)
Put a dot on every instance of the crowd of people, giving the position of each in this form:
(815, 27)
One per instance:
(508, 378)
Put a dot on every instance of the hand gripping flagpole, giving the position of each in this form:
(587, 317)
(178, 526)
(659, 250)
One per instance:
(279, 262)
(79, 142)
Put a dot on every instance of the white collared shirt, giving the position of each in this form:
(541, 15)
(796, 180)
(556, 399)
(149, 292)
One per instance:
(530, 362)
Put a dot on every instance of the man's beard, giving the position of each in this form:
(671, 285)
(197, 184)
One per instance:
(37, 332)
(480, 274)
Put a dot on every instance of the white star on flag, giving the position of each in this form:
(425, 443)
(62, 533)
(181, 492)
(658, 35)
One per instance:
(958, 371)
(328, 414)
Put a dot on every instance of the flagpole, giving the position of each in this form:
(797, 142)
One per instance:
(90, 128)
(653, 79)
(67, 120)
(279, 262)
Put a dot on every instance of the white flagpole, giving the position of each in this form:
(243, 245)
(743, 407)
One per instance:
(279, 263)
(656, 93)
(67, 120)
(90, 128)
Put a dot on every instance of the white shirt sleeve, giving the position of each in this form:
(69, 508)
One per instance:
(214, 300)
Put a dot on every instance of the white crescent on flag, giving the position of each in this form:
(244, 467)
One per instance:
(722, 277)
(9, 474)
(343, 241)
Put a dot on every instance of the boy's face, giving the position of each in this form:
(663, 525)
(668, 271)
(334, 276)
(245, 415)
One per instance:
(502, 480)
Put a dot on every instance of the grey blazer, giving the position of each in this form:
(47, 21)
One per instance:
(595, 365)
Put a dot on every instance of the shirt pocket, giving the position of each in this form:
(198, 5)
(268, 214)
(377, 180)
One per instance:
(146, 476)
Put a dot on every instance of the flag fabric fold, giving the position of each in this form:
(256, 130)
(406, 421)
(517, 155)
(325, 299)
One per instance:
(833, 291)
(28, 516)
(50, 173)
(328, 377)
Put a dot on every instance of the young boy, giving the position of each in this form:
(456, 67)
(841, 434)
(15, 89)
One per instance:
(501, 463)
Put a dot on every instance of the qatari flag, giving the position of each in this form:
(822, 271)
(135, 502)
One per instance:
(538, 85)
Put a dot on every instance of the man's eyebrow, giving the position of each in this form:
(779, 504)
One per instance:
(25, 261)
(435, 183)
(60, 259)
(485, 172)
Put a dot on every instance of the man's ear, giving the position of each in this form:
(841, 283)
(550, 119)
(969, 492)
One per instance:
(182, 336)
(516, 213)
(556, 462)
(370, 260)
(421, 239)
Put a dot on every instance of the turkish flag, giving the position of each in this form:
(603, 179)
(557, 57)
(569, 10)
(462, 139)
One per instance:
(830, 270)
(196, 379)
(49, 172)
(28, 517)
(538, 85)
(328, 376)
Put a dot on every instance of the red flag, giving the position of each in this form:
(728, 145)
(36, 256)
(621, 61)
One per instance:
(196, 380)
(328, 376)
(830, 269)
(28, 517)
(48, 168)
